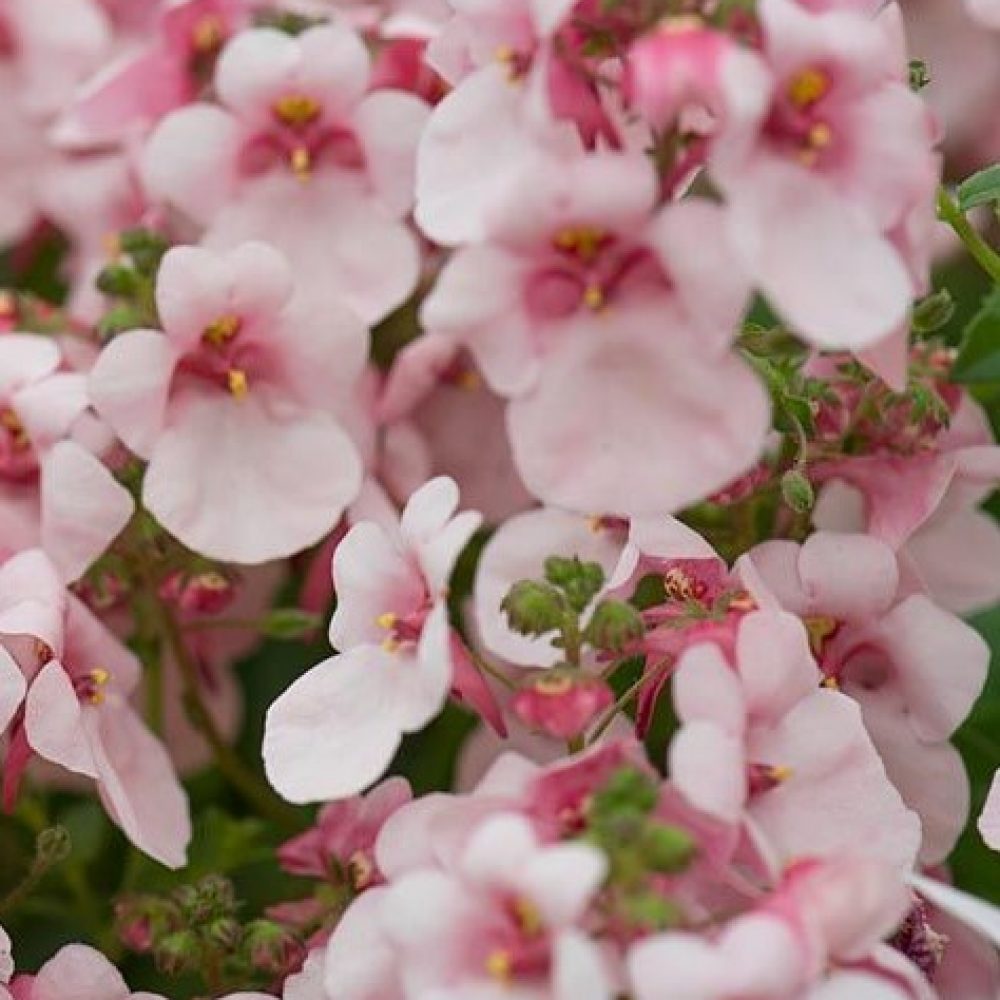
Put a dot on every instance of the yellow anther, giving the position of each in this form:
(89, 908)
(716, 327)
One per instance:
(820, 135)
(213, 581)
(469, 380)
(208, 34)
(831, 684)
(219, 332)
(596, 523)
(499, 965)
(819, 628)
(11, 422)
(296, 110)
(300, 161)
(508, 58)
(8, 305)
(593, 297)
(112, 245)
(529, 920)
(584, 241)
(236, 380)
(360, 870)
(390, 645)
(99, 678)
(807, 87)
(678, 586)
(780, 773)
(386, 620)
(560, 684)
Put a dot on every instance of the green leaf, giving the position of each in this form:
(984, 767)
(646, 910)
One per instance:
(982, 188)
(979, 357)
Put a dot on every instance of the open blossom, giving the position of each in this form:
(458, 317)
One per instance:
(55, 492)
(914, 669)
(302, 154)
(826, 131)
(334, 731)
(747, 747)
(77, 682)
(243, 367)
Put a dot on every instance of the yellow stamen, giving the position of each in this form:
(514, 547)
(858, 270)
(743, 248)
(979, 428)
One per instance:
(301, 163)
(820, 135)
(112, 245)
(469, 380)
(820, 628)
(296, 110)
(584, 241)
(593, 298)
(560, 684)
(807, 87)
(678, 585)
(390, 645)
(99, 677)
(360, 870)
(208, 34)
(499, 965)
(236, 380)
(780, 773)
(221, 331)
(386, 620)
(831, 683)
(595, 523)
(529, 920)
(11, 422)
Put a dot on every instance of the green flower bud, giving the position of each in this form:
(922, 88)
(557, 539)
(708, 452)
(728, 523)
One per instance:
(579, 581)
(649, 911)
(53, 846)
(533, 608)
(177, 953)
(797, 491)
(667, 849)
(614, 626)
(118, 279)
(933, 312)
(628, 792)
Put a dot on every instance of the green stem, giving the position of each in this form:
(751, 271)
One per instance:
(256, 792)
(987, 258)
(609, 716)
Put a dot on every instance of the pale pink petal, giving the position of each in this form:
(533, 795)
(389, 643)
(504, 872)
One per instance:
(25, 358)
(709, 767)
(429, 510)
(775, 664)
(360, 962)
(129, 386)
(79, 973)
(835, 772)
(389, 125)
(438, 555)
(12, 690)
(335, 730)
(83, 508)
(563, 880)
(234, 481)
(852, 577)
(889, 358)
(770, 572)
(579, 971)
(190, 161)
(957, 556)
(334, 233)
(822, 234)
(940, 664)
(618, 375)
(49, 408)
(478, 301)
(195, 288)
(706, 688)
(372, 577)
(989, 819)
(53, 721)
(138, 786)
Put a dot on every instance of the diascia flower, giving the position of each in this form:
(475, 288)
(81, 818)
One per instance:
(302, 154)
(235, 404)
(335, 730)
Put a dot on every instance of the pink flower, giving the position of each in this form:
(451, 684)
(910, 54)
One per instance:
(235, 404)
(562, 705)
(826, 131)
(138, 89)
(914, 669)
(55, 492)
(507, 914)
(302, 155)
(343, 839)
(76, 710)
(335, 730)
(748, 748)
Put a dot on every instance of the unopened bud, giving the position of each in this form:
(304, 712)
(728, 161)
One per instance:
(224, 932)
(649, 911)
(533, 608)
(562, 704)
(933, 312)
(145, 247)
(614, 626)
(289, 623)
(177, 953)
(53, 846)
(272, 948)
(627, 791)
(667, 849)
(119, 280)
(797, 491)
(579, 581)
